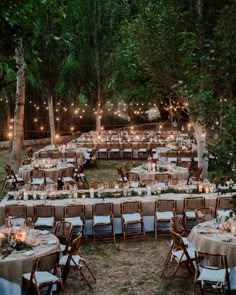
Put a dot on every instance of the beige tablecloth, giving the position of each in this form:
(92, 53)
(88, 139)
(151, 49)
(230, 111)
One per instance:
(15, 265)
(177, 173)
(210, 240)
(52, 173)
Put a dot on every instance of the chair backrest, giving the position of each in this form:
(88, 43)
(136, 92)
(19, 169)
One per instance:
(214, 262)
(191, 203)
(129, 166)
(178, 225)
(132, 176)
(16, 210)
(44, 211)
(63, 231)
(30, 152)
(224, 203)
(98, 184)
(131, 207)
(102, 209)
(74, 211)
(7, 168)
(162, 178)
(185, 164)
(198, 172)
(204, 214)
(165, 205)
(121, 173)
(75, 247)
(47, 262)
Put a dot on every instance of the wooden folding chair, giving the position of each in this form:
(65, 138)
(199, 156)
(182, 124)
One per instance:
(44, 217)
(76, 215)
(63, 231)
(132, 220)
(44, 274)
(212, 273)
(74, 260)
(164, 211)
(181, 254)
(103, 222)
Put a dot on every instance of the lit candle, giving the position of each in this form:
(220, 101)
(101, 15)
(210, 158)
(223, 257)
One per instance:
(149, 190)
(91, 191)
(25, 196)
(83, 196)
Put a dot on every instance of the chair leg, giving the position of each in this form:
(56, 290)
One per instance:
(167, 261)
(155, 228)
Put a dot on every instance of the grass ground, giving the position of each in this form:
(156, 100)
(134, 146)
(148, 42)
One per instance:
(133, 268)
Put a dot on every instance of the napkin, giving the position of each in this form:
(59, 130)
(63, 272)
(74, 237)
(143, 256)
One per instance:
(52, 242)
(44, 232)
(28, 253)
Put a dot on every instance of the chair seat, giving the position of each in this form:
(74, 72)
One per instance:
(102, 150)
(212, 275)
(101, 219)
(15, 221)
(190, 214)
(179, 253)
(74, 261)
(18, 178)
(127, 150)
(38, 180)
(142, 150)
(224, 213)
(45, 221)
(134, 184)
(167, 215)
(42, 277)
(115, 150)
(70, 160)
(133, 217)
(76, 221)
(68, 179)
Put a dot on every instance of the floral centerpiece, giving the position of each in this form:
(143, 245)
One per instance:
(13, 241)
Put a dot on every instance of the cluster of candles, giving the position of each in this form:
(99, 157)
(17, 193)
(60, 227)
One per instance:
(206, 188)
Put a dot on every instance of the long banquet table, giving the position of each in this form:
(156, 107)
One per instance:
(148, 206)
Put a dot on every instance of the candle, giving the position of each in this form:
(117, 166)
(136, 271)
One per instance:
(149, 190)
(116, 186)
(91, 191)
(83, 196)
(25, 196)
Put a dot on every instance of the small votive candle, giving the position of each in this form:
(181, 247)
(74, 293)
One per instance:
(25, 196)
(83, 196)
(91, 191)
(149, 190)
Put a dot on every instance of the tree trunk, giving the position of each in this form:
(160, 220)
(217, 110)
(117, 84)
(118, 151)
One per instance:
(98, 93)
(51, 119)
(18, 131)
(201, 147)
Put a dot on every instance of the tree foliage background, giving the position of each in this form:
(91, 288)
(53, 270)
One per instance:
(134, 51)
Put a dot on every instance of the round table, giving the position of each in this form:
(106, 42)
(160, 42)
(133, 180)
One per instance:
(17, 263)
(208, 239)
(180, 173)
(53, 173)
